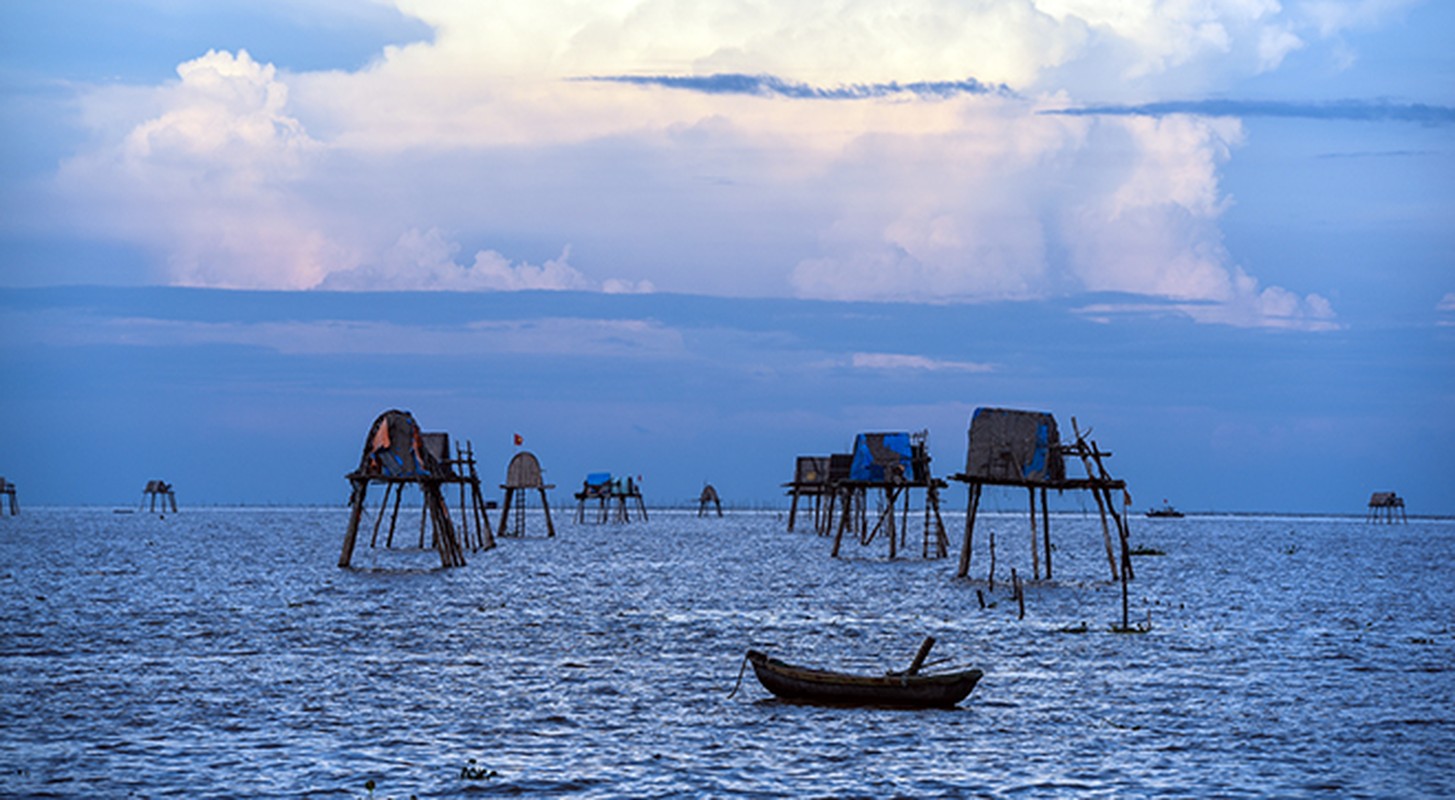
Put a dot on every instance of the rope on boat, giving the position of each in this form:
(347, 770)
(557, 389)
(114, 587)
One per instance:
(741, 670)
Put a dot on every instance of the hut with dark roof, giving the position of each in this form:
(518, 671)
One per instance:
(1016, 448)
(524, 473)
(398, 454)
(158, 491)
(1383, 506)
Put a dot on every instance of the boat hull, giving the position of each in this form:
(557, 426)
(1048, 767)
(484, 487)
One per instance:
(823, 687)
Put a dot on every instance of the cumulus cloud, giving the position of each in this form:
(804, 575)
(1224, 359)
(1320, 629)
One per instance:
(425, 260)
(828, 149)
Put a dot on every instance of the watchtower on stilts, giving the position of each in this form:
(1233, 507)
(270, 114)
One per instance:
(397, 454)
(1383, 506)
(614, 498)
(709, 495)
(158, 490)
(7, 491)
(1009, 447)
(895, 464)
(524, 472)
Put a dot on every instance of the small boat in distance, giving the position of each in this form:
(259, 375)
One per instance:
(908, 689)
(1166, 511)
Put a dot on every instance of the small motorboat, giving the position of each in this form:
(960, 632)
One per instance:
(908, 689)
(1166, 511)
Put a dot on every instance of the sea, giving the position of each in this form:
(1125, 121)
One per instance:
(223, 653)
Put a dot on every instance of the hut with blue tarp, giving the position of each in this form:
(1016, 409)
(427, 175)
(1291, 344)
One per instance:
(613, 497)
(893, 463)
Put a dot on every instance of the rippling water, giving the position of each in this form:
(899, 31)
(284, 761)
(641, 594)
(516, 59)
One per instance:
(220, 653)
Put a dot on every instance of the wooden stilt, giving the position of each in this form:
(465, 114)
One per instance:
(394, 517)
(546, 506)
(972, 504)
(357, 511)
(383, 506)
(1035, 551)
(1046, 530)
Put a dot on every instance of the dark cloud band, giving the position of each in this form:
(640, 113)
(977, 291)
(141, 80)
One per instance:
(770, 86)
(1358, 110)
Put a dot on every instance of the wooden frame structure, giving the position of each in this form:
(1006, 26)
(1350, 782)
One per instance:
(1383, 507)
(522, 473)
(7, 492)
(613, 496)
(158, 490)
(397, 454)
(894, 463)
(1022, 449)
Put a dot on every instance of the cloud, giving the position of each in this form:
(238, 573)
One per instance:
(424, 260)
(1358, 110)
(899, 361)
(932, 176)
(548, 336)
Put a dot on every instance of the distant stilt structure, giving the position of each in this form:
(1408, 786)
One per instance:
(613, 497)
(1383, 506)
(7, 491)
(895, 464)
(398, 454)
(1023, 449)
(709, 495)
(158, 490)
(524, 472)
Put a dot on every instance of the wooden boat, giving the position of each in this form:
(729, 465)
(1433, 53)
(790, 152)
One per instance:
(908, 689)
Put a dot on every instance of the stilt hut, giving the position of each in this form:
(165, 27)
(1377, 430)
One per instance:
(818, 478)
(524, 472)
(397, 454)
(158, 490)
(894, 464)
(613, 497)
(1383, 507)
(7, 494)
(1009, 447)
(709, 495)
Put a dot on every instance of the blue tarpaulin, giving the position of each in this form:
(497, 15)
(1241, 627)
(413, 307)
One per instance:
(882, 458)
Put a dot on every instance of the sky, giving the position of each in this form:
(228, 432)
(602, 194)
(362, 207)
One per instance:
(690, 242)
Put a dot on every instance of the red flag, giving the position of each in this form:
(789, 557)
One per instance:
(519, 440)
